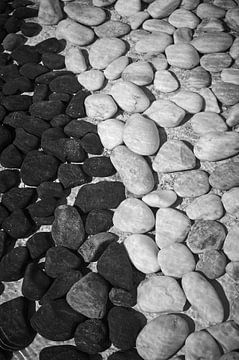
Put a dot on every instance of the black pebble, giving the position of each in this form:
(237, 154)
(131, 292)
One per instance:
(76, 108)
(125, 355)
(3, 34)
(46, 109)
(45, 220)
(50, 45)
(17, 102)
(30, 29)
(40, 93)
(2, 288)
(5, 242)
(24, 12)
(98, 221)
(5, 137)
(49, 76)
(17, 225)
(60, 120)
(18, 3)
(121, 297)
(3, 213)
(60, 96)
(79, 128)
(8, 179)
(16, 119)
(52, 142)
(62, 352)
(53, 61)
(91, 144)
(38, 244)
(3, 18)
(25, 142)
(12, 41)
(73, 150)
(18, 85)
(35, 126)
(32, 70)
(13, 264)
(66, 84)
(71, 175)
(9, 71)
(19, 198)
(22, 54)
(4, 59)
(42, 208)
(35, 282)
(50, 189)
(13, 25)
(99, 166)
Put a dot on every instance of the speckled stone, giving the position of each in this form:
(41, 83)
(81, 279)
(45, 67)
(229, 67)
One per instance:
(192, 183)
(212, 264)
(139, 73)
(165, 113)
(206, 207)
(204, 122)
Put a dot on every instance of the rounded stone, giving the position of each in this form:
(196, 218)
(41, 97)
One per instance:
(231, 243)
(110, 132)
(192, 183)
(232, 18)
(85, 14)
(225, 176)
(207, 121)
(74, 32)
(112, 28)
(162, 8)
(165, 81)
(198, 78)
(212, 264)
(183, 18)
(215, 62)
(92, 79)
(100, 106)
(165, 113)
(200, 344)
(139, 73)
(153, 43)
(126, 8)
(116, 67)
(205, 207)
(158, 25)
(75, 60)
(182, 35)
(190, 101)
(232, 269)
(160, 198)
(205, 11)
(230, 200)
(181, 55)
(226, 93)
(104, 51)
(212, 42)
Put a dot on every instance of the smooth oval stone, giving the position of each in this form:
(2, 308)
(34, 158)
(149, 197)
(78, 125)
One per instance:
(207, 121)
(209, 11)
(211, 25)
(210, 100)
(162, 8)
(165, 113)
(158, 25)
(192, 183)
(198, 78)
(75, 60)
(225, 176)
(137, 19)
(230, 200)
(215, 62)
(182, 35)
(142, 251)
(190, 101)
(234, 52)
(112, 28)
(182, 55)
(164, 81)
(133, 169)
(141, 135)
(183, 18)
(134, 216)
(231, 243)
(162, 337)
(233, 115)
(226, 93)
(127, 8)
(189, 4)
(92, 79)
(74, 32)
(233, 355)
(217, 145)
(212, 264)
(232, 270)
(212, 42)
(111, 133)
(206, 207)
(129, 97)
(201, 345)
(160, 294)
(176, 260)
(159, 62)
(153, 43)
(49, 12)
(203, 297)
(104, 51)
(174, 155)
(139, 73)
(205, 235)
(116, 67)
(100, 106)
(171, 226)
(85, 14)
(232, 18)
(103, 3)
(160, 198)
(226, 334)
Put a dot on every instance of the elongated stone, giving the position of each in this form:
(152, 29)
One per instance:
(212, 42)
(182, 55)
(74, 32)
(162, 8)
(153, 43)
(85, 14)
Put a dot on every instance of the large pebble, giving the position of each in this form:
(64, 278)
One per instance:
(174, 155)
(215, 62)
(137, 19)
(226, 93)
(85, 14)
(217, 145)
(212, 264)
(225, 176)
(183, 18)
(210, 101)
(111, 133)
(176, 260)
(209, 11)
(162, 8)
(198, 78)
(206, 207)
(134, 216)
(116, 67)
(192, 183)
(73, 32)
(226, 334)
(190, 101)
(182, 35)
(165, 113)
(230, 200)
(164, 81)
(104, 51)
(92, 79)
(201, 345)
(160, 198)
(153, 43)
(203, 297)
(158, 25)
(142, 252)
(231, 244)
(112, 28)
(100, 106)
(212, 42)
(75, 60)
(162, 337)
(49, 12)
(230, 75)
(141, 135)
(182, 55)
(232, 18)
(139, 73)
(171, 226)
(160, 294)
(129, 97)
(206, 235)
(207, 121)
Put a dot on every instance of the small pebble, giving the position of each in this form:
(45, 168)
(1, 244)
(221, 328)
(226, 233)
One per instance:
(164, 81)
(182, 55)
(139, 73)
(114, 70)
(183, 18)
(206, 207)
(160, 198)
(74, 32)
(192, 183)
(100, 106)
(112, 29)
(212, 264)
(190, 101)
(204, 122)
(230, 246)
(104, 51)
(165, 113)
(91, 80)
(111, 133)
(233, 115)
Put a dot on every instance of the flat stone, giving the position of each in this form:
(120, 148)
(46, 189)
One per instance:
(205, 122)
(165, 113)
(183, 18)
(209, 11)
(49, 12)
(154, 43)
(192, 183)
(201, 343)
(158, 25)
(182, 35)
(162, 8)
(75, 60)
(100, 106)
(114, 70)
(164, 81)
(210, 101)
(215, 62)
(212, 42)
(225, 176)
(182, 55)
(212, 264)
(190, 101)
(139, 73)
(230, 246)
(85, 14)
(206, 207)
(160, 198)
(125, 8)
(112, 29)
(104, 51)
(225, 4)
(74, 32)
(111, 133)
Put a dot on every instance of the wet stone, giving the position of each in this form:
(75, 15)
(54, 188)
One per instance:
(23, 53)
(17, 102)
(46, 109)
(13, 264)
(71, 175)
(99, 166)
(98, 221)
(38, 244)
(8, 179)
(53, 61)
(18, 198)
(61, 352)
(91, 144)
(17, 224)
(11, 157)
(35, 282)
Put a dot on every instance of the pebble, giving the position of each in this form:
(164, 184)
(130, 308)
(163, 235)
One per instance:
(14, 263)
(190, 101)
(176, 260)
(217, 145)
(234, 52)
(230, 246)
(206, 207)
(98, 166)
(192, 183)
(211, 25)
(212, 264)
(162, 8)
(171, 226)
(153, 295)
(103, 3)
(11, 157)
(234, 309)
(79, 128)
(121, 297)
(210, 11)
(206, 235)
(124, 8)
(53, 61)
(189, 4)
(104, 51)
(232, 270)
(85, 14)
(17, 102)
(75, 60)
(18, 224)
(232, 18)
(210, 101)
(230, 200)
(38, 244)
(30, 29)
(165, 81)
(92, 79)
(182, 55)
(226, 334)
(111, 133)
(225, 4)
(133, 170)
(158, 25)
(98, 221)
(215, 62)
(31, 70)
(212, 42)
(47, 109)
(114, 70)
(165, 113)
(50, 44)
(160, 198)
(139, 73)
(71, 175)
(183, 18)
(205, 122)
(182, 35)
(12, 41)
(225, 176)
(198, 78)
(141, 135)
(129, 97)
(112, 29)
(137, 19)
(100, 106)
(230, 75)
(233, 115)
(162, 337)
(49, 12)
(134, 216)
(138, 34)
(74, 32)
(153, 43)
(142, 251)
(201, 344)
(18, 198)
(233, 355)
(66, 84)
(174, 155)
(61, 352)
(35, 282)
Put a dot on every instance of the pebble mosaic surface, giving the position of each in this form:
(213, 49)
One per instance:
(119, 179)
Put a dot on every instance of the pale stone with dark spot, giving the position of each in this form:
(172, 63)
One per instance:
(192, 183)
